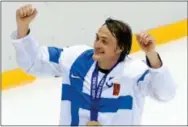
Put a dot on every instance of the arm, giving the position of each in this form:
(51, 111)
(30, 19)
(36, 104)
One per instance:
(31, 57)
(35, 59)
(157, 81)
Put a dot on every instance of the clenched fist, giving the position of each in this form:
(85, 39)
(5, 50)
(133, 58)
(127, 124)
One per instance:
(24, 16)
(146, 42)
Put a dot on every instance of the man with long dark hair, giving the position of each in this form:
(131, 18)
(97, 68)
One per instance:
(102, 85)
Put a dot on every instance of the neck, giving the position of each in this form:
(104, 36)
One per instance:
(108, 64)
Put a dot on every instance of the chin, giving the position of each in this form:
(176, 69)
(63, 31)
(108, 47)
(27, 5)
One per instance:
(96, 57)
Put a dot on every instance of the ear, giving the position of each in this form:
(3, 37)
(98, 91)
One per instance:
(119, 50)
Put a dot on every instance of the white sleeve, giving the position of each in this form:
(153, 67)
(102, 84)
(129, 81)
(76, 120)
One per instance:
(40, 60)
(157, 83)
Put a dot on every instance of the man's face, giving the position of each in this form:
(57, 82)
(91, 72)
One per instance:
(105, 45)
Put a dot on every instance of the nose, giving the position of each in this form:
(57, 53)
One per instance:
(97, 44)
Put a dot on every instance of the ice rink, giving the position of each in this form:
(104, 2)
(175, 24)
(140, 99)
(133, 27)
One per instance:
(38, 103)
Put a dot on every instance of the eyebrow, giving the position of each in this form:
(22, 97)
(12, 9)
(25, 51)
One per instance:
(104, 37)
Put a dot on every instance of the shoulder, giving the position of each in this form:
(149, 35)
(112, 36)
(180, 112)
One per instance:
(134, 67)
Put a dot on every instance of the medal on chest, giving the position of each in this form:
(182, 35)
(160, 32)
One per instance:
(93, 123)
(96, 91)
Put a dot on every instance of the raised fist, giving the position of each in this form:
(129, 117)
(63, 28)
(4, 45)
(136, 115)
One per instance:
(146, 42)
(24, 15)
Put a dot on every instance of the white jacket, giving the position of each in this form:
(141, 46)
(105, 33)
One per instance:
(75, 65)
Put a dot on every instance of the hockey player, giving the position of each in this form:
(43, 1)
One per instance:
(102, 85)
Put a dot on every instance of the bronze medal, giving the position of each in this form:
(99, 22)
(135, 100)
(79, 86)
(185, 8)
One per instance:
(92, 123)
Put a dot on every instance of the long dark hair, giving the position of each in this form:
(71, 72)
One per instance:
(123, 33)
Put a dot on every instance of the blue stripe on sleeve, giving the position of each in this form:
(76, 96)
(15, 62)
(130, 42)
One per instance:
(54, 54)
